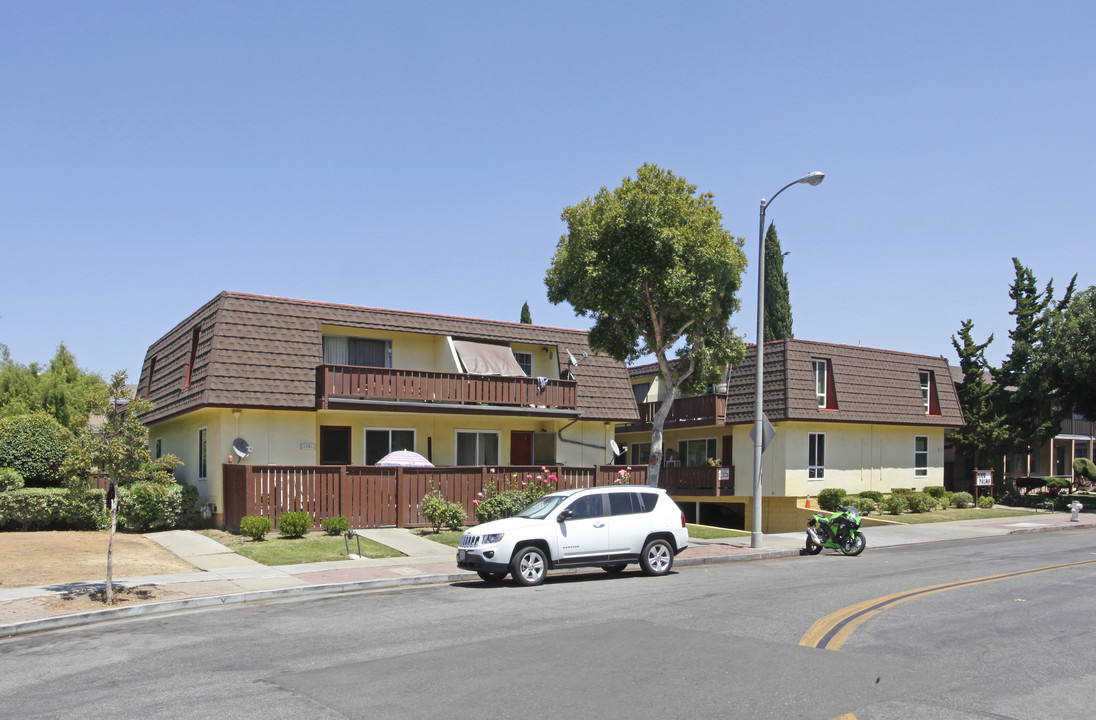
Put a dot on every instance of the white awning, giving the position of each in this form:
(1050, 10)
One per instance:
(485, 359)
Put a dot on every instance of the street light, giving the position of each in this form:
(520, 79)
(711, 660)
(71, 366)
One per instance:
(755, 532)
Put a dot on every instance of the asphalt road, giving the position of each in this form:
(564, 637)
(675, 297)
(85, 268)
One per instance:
(910, 636)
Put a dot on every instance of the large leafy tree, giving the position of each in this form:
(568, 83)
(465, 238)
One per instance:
(778, 303)
(1071, 347)
(653, 267)
(62, 390)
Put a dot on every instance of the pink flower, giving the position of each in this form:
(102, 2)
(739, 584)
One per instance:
(475, 502)
(479, 494)
(553, 478)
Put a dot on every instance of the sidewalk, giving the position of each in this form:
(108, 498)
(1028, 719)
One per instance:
(228, 578)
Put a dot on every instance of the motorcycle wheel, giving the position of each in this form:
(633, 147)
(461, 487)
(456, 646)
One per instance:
(856, 547)
(813, 548)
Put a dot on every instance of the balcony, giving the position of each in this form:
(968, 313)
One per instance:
(347, 383)
(695, 411)
(1073, 426)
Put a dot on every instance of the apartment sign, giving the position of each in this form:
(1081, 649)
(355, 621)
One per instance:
(983, 478)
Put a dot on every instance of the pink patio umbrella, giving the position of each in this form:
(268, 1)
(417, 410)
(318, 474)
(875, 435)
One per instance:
(404, 458)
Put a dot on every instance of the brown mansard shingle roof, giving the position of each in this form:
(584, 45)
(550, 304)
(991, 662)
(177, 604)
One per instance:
(262, 352)
(872, 386)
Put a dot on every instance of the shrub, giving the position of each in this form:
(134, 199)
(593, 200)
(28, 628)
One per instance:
(335, 525)
(962, 499)
(10, 479)
(35, 445)
(985, 502)
(901, 491)
(873, 495)
(862, 504)
(294, 524)
(51, 509)
(947, 499)
(1085, 469)
(830, 498)
(895, 504)
(441, 512)
(255, 526)
(937, 491)
(920, 502)
(147, 505)
(507, 496)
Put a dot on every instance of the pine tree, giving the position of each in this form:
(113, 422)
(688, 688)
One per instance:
(526, 316)
(778, 305)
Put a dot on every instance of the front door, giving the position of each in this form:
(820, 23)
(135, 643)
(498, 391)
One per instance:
(521, 447)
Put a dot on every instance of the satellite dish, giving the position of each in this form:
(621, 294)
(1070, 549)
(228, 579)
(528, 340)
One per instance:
(615, 448)
(572, 357)
(241, 448)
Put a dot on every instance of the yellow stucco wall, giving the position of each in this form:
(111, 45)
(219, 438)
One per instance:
(280, 437)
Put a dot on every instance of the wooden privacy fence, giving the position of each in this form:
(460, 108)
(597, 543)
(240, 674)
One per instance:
(371, 496)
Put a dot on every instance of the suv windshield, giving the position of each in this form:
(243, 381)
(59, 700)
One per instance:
(541, 508)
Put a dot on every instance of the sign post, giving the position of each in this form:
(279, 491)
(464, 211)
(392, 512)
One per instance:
(982, 478)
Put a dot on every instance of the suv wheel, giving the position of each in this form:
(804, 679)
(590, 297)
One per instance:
(529, 566)
(657, 557)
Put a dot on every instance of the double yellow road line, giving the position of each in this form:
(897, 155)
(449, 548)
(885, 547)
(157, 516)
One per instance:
(831, 632)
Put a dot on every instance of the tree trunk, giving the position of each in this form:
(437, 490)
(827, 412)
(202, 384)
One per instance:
(654, 465)
(109, 592)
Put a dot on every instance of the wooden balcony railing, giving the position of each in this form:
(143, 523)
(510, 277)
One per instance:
(1071, 426)
(704, 481)
(685, 412)
(346, 382)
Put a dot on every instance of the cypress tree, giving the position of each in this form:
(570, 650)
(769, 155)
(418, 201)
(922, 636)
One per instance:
(778, 305)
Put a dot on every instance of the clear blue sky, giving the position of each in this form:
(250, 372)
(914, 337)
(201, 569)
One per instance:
(417, 155)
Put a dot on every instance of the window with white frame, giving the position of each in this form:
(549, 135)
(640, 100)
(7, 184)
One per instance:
(203, 446)
(477, 447)
(926, 389)
(525, 360)
(816, 456)
(695, 453)
(819, 381)
(921, 456)
(381, 441)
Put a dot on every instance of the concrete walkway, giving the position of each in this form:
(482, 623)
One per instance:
(227, 578)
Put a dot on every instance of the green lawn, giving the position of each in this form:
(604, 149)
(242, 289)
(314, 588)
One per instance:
(953, 514)
(314, 547)
(445, 537)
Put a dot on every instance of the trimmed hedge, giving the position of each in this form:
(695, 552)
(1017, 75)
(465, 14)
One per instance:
(35, 445)
(51, 509)
(10, 479)
(147, 505)
(294, 524)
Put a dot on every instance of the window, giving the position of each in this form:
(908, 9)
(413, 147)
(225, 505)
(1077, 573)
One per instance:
(159, 448)
(921, 456)
(544, 448)
(477, 448)
(381, 441)
(360, 352)
(641, 390)
(816, 456)
(695, 453)
(641, 453)
(202, 453)
(824, 393)
(587, 507)
(193, 355)
(525, 360)
(151, 375)
(926, 389)
(334, 445)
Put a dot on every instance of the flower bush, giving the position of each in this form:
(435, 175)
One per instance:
(505, 497)
(624, 477)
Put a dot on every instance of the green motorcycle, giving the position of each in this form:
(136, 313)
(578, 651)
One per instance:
(839, 531)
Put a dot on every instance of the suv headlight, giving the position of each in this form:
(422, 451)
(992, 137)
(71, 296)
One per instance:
(492, 538)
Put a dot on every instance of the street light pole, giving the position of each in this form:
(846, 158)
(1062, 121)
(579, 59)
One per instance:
(759, 349)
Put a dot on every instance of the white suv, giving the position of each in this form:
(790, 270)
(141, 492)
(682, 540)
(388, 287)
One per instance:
(606, 527)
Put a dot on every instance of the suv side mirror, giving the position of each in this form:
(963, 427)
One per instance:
(565, 515)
